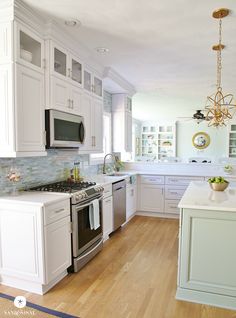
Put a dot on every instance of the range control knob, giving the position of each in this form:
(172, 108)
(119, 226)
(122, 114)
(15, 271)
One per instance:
(80, 196)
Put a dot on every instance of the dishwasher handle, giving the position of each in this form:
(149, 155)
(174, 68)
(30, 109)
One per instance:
(119, 188)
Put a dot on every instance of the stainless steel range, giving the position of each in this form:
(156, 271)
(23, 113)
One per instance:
(86, 197)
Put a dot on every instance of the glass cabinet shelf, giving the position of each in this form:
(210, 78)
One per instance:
(30, 49)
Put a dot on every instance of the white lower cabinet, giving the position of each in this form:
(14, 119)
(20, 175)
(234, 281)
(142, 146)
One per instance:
(131, 198)
(57, 247)
(34, 256)
(107, 205)
(151, 198)
(107, 211)
(207, 259)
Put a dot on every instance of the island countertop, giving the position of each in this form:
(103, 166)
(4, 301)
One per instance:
(200, 196)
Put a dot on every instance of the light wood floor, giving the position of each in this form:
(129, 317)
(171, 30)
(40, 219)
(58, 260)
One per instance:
(133, 277)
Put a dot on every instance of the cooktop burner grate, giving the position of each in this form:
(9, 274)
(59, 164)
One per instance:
(64, 186)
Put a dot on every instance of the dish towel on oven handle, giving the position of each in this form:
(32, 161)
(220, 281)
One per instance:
(91, 219)
(96, 215)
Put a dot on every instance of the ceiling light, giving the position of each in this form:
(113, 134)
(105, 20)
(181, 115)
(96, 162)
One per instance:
(73, 23)
(220, 107)
(102, 50)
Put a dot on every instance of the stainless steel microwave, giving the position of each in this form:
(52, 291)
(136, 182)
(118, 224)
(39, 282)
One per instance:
(63, 130)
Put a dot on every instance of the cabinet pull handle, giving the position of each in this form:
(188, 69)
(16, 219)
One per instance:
(60, 210)
(162, 191)
(172, 192)
(69, 103)
(94, 141)
(106, 191)
(69, 72)
(108, 201)
(44, 64)
(72, 104)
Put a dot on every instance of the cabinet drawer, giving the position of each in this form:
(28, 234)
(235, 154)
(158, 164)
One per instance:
(181, 180)
(171, 206)
(56, 211)
(146, 179)
(174, 193)
(107, 190)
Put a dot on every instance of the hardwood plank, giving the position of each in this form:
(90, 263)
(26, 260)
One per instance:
(134, 276)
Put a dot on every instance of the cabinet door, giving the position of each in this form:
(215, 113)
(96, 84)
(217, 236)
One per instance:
(86, 112)
(130, 202)
(97, 125)
(7, 136)
(87, 81)
(207, 254)
(107, 216)
(29, 110)
(97, 86)
(57, 248)
(151, 198)
(21, 242)
(76, 70)
(60, 62)
(29, 48)
(76, 95)
(128, 132)
(60, 95)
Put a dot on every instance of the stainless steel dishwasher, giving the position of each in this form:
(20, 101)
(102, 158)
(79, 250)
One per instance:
(119, 203)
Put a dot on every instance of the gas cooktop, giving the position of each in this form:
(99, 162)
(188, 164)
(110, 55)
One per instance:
(64, 186)
(80, 191)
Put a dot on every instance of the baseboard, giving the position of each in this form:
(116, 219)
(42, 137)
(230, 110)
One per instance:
(158, 215)
(205, 298)
(32, 287)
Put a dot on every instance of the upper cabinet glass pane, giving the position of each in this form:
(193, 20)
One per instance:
(87, 81)
(233, 127)
(59, 62)
(98, 86)
(30, 49)
(76, 71)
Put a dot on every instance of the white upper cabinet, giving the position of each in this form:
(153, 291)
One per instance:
(65, 65)
(29, 48)
(29, 109)
(93, 83)
(92, 111)
(122, 123)
(22, 92)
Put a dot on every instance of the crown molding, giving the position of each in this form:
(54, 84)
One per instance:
(119, 83)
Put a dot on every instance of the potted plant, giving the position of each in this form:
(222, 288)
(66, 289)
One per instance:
(218, 183)
(228, 169)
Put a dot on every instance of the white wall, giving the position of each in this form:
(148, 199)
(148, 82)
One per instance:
(185, 149)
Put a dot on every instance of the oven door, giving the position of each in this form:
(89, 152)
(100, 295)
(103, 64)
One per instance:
(83, 237)
(64, 130)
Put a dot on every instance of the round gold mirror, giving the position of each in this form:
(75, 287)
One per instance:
(201, 140)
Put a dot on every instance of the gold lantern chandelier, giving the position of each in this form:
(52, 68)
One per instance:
(219, 107)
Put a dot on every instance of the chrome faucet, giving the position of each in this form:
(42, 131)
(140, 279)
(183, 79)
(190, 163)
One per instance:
(104, 162)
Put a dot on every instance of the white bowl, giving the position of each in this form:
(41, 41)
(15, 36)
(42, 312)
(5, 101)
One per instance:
(26, 55)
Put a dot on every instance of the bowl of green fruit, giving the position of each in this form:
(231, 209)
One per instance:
(218, 183)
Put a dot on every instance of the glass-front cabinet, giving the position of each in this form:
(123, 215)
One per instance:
(97, 86)
(158, 141)
(30, 48)
(232, 140)
(65, 65)
(92, 83)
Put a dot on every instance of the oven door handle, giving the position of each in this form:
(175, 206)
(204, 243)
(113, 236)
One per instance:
(85, 205)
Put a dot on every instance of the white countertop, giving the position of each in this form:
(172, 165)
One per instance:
(34, 197)
(200, 196)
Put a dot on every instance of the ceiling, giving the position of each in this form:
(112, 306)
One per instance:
(162, 47)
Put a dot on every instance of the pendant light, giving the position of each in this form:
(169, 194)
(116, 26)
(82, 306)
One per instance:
(219, 107)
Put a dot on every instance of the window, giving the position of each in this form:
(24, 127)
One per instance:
(107, 136)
